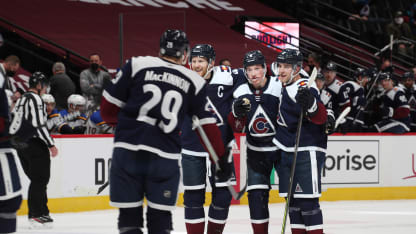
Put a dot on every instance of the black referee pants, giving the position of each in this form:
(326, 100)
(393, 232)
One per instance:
(36, 163)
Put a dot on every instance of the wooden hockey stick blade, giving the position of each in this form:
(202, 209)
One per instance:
(343, 114)
(102, 187)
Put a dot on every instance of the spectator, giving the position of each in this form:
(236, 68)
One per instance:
(314, 60)
(61, 85)
(225, 62)
(8, 68)
(92, 82)
(398, 28)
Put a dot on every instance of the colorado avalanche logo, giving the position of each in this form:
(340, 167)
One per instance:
(211, 108)
(260, 125)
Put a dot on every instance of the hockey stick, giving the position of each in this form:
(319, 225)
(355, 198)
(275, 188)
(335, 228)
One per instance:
(102, 187)
(204, 137)
(295, 154)
(342, 116)
(366, 97)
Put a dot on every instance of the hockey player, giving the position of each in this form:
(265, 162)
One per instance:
(148, 100)
(407, 83)
(11, 189)
(304, 210)
(255, 108)
(194, 157)
(96, 124)
(55, 123)
(395, 108)
(351, 94)
(326, 99)
(74, 115)
(332, 85)
(29, 120)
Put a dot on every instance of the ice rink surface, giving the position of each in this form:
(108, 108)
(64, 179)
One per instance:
(378, 217)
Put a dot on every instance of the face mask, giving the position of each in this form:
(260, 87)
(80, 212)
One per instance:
(10, 73)
(94, 66)
(398, 20)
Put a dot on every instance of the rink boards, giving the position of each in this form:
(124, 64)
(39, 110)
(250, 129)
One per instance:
(357, 167)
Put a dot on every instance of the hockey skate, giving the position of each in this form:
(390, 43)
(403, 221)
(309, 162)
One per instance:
(42, 222)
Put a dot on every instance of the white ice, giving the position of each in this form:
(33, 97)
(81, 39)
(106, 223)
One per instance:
(378, 217)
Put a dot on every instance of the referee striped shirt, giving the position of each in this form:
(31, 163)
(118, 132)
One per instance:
(31, 109)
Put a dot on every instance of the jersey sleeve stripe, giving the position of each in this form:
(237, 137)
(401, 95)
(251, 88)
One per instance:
(207, 121)
(113, 100)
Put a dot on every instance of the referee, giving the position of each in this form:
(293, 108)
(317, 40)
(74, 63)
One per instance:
(29, 125)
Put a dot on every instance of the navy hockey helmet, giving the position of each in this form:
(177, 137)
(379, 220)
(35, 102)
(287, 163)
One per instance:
(408, 75)
(319, 76)
(37, 78)
(384, 76)
(203, 50)
(290, 56)
(174, 43)
(253, 58)
(330, 66)
(361, 72)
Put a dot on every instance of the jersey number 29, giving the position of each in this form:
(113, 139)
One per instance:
(171, 98)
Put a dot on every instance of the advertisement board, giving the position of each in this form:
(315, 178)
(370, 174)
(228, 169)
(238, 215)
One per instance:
(281, 35)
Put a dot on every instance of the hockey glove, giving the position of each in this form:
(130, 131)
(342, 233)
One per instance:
(330, 123)
(225, 163)
(307, 101)
(241, 107)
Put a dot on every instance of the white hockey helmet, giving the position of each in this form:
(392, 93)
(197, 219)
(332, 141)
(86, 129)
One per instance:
(48, 98)
(76, 100)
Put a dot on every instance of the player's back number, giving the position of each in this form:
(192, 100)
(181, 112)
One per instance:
(171, 104)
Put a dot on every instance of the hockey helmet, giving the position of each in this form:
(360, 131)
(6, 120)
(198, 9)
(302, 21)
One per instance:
(384, 76)
(361, 72)
(254, 57)
(290, 56)
(203, 50)
(408, 75)
(37, 78)
(319, 76)
(76, 100)
(330, 66)
(48, 98)
(174, 42)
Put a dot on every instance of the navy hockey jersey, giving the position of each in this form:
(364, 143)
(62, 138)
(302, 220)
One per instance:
(395, 100)
(312, 136)
(261, 124)
(411, 99)
(333, 89)
(4, 113)
(154, 96)
(219, 90)
(352, 94)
